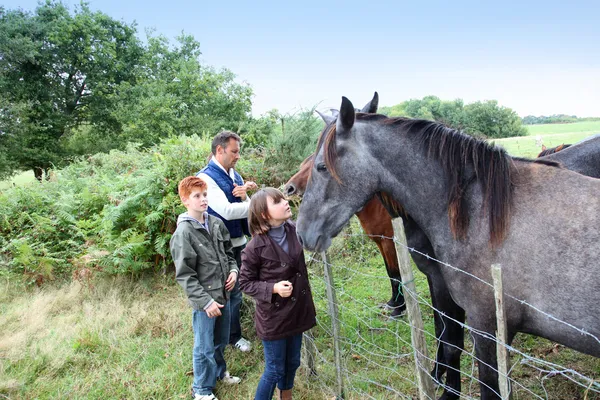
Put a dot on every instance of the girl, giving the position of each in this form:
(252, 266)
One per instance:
(274, 273)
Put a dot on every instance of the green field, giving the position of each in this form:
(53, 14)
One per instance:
(20, 179)
(589, 127)
(115, 338)
(552, 135)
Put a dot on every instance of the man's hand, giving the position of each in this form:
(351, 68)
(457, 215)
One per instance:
(214, 310)
(251, 185)
(283, 288)
(240, 191)
(230, 282)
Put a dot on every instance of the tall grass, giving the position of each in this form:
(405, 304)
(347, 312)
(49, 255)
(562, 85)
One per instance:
(118, 338)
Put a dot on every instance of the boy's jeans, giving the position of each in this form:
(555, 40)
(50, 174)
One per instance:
(282, 359)
(211, 335)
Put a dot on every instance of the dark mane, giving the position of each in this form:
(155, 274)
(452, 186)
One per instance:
(464, 159)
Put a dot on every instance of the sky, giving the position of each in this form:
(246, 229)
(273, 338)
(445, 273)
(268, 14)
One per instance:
(538, 58)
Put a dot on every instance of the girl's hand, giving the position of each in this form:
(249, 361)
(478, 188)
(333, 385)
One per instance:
(283, 288)
(230, 282)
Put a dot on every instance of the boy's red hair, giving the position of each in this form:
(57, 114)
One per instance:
(188, 185)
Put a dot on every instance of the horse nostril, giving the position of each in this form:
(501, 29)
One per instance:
(290, 189)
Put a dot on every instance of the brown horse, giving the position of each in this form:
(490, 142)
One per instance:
(545, 151)
(376, 223)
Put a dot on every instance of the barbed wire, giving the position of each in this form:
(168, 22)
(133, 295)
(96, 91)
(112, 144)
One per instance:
(358, 327)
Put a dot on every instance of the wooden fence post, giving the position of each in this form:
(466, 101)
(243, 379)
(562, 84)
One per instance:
(310, 352)
(501, 351)
(424, 380)
(333, 313)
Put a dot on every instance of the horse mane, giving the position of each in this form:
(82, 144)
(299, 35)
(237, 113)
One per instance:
(463, 159)
(553, 150)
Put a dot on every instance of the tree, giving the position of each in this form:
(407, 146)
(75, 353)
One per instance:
(485, 119)
(176, 94)
(57, 71)
(489, 120)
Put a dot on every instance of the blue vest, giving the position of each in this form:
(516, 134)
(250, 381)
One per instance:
(236, 227)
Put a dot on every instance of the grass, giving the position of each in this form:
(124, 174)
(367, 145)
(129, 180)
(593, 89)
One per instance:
(585, 127)
(20, 179)
(117, 338)
(552, 135)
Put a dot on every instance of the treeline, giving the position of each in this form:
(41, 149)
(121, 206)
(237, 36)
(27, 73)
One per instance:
(554, 119)
(485, 119)
(78, 82)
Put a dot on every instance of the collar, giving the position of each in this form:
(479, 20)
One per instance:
(231, 171)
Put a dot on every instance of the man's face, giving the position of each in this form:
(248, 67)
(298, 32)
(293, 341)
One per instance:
(229, 155)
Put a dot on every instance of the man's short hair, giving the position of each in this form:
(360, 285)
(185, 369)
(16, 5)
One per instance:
(222, 139)
(188, 184)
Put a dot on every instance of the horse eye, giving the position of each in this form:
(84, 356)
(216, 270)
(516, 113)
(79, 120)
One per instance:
(321, 167)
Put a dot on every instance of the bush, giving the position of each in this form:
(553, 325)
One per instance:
(122, 205)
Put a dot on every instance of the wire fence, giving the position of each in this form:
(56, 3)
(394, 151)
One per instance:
(358, 351)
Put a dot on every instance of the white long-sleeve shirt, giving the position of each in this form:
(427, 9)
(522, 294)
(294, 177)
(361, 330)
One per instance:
(217, 200)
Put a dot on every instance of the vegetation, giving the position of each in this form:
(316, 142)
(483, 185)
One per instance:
(82, 82)
(123, 338)
(483, 119)
(112, 212)
(554, 119)
(109, 124)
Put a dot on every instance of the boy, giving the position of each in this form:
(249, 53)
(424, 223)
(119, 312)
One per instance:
(207, 271)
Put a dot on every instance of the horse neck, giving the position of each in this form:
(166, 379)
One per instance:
(414, 180)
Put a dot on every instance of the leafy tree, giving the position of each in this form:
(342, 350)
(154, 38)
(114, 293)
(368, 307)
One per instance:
(58, 70)
(485, 119)
(489, 120)
(177, 95)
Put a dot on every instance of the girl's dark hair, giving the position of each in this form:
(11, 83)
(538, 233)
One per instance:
(258, 213)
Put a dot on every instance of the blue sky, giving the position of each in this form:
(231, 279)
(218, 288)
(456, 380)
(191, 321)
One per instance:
(534, 57)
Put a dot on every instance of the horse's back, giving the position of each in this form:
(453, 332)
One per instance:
(582, 157)
(552, 252)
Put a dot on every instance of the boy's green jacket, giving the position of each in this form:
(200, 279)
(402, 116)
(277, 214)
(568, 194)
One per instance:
(203, 260)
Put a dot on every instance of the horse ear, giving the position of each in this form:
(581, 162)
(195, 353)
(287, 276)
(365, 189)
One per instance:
(334, 112)
(327, 118)
(345, 120)
(371, 107)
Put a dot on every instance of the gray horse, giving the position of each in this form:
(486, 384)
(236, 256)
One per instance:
(581, 156)
(477, 206)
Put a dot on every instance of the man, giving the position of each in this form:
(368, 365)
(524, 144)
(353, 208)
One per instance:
(228, 200)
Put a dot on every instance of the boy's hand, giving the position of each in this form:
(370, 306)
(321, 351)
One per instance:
(283, 288)
(230, 282)
(214, 310)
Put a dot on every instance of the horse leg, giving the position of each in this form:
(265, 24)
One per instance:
(439, 369)
(449, 333)
(485, 351)
(396, 303)
(453, 338)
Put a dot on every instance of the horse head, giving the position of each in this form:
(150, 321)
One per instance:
(332, 193)
(297, 183)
